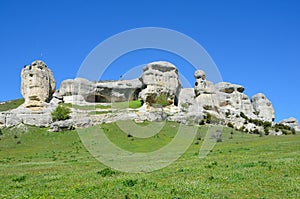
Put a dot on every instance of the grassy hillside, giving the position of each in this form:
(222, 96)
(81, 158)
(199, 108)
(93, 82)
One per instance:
(35, 163)
(9, 105)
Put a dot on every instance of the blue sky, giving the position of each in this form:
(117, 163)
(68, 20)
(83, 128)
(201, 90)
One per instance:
(254, 43)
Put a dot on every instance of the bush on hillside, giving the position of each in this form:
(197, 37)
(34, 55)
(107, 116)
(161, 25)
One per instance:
(61, 113)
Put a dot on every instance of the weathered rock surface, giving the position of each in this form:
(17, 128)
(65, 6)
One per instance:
(291, 122)
(158, 78)
(202, 86)
(224, 101)
(80, 91)
(62, 125)
(2, 120)
(232, 99)
(273, 132)
(263, 107)
(37, 86)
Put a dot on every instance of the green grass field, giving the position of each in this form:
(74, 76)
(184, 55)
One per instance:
(41, 164)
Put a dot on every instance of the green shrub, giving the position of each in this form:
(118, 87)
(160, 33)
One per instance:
(61, 113)
(228, 114)
(267, 124)
(244, 116)
(161, 101)
(229, 124)
(129, 182)
(106, 172)
(256, 122)
(19, 179)
(267, 130)
(256, 131)
(135, 104)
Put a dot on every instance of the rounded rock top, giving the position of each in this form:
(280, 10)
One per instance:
(200, 74)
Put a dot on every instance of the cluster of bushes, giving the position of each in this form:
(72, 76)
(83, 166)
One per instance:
(209, 119)
(160, 101)
(286, 130)
(267, 126)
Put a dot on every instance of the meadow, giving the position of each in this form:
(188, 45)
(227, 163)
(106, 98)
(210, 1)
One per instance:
(35, 163)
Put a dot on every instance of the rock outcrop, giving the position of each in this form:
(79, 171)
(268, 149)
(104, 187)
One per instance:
(221, 103)
(231, 99)
(80, 91)
(263, 107)
(202, 86)
(157, 78)
(38, 85)
(291, 122)
(160, 78)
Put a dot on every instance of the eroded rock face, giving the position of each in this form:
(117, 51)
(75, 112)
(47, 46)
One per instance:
(79, 91)
(160, 78)
(37, 85)
(291, 122)
(263, 107)
(232, 98)
(202, 86)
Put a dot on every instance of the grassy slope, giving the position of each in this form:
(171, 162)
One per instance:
(9, 105)
(57, 165)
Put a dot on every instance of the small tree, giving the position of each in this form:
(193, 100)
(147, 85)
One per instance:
(61, 113)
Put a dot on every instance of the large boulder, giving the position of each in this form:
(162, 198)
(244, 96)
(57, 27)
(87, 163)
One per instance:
(160, 78)
(263, 107)
(226, 87)
(37, 86)
(64, 125)
(232, 99)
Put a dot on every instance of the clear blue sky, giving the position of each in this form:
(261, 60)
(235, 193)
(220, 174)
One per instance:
(254, 43)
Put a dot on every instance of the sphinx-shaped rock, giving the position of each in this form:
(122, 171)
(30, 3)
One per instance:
(160, 78)
(37, 86)
(263, 107)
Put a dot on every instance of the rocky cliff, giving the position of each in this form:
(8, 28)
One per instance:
(225, 102)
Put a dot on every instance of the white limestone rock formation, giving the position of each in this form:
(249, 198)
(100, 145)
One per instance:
(291, 122)
(81, 91)
(37, 86)
(263, 107)
(202, 86)
(160, 78)
(205, 93)
(232, 99)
